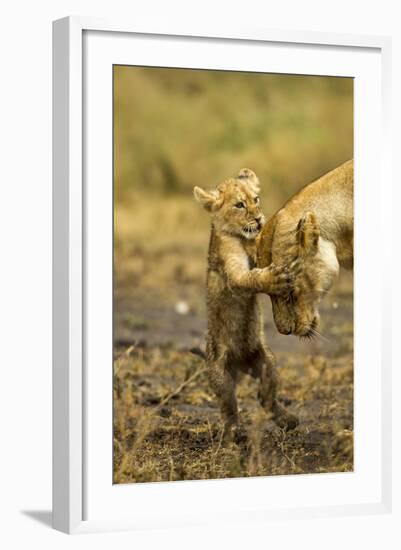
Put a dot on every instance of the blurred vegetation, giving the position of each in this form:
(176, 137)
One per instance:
(176, 128)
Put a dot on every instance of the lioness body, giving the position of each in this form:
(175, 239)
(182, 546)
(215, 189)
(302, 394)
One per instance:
(315, 225)
(235, 340)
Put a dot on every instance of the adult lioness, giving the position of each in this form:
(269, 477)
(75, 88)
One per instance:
(317, 226)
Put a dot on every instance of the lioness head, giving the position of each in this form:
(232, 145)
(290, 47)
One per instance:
(234, 205)
(297, 313)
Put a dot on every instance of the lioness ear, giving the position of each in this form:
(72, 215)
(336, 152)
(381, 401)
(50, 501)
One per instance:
(308, 234)
(210, 200)
(251, 178)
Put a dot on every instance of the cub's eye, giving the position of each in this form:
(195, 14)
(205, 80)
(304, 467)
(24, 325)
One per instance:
(256, 200)
(239, 205)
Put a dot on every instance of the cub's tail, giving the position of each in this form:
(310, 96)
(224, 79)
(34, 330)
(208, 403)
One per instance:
(199, 352)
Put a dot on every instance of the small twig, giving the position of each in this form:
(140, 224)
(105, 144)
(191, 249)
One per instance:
(181, 387)
(124, 354)
(209, 427)
(281, 446)
(219, 444)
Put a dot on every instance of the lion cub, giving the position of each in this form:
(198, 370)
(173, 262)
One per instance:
(235, 340)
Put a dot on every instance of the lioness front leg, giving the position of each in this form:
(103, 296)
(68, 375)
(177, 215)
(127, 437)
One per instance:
(223, 381)
(268, 378)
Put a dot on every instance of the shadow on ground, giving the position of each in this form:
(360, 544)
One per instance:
(41, 516)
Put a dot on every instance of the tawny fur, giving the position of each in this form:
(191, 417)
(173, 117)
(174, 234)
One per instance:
(315, 227)
(235, 340)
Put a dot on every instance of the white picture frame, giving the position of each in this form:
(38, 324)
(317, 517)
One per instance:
(75, 480)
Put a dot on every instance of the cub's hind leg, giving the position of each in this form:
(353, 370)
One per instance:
(222, 379)
(265, 370)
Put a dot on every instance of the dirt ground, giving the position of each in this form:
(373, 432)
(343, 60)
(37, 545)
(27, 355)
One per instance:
(166, 421)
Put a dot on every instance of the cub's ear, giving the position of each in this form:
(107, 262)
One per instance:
(252, 179)
(210, 200)
(308, 234)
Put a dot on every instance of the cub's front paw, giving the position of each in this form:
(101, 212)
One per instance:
(278, 280)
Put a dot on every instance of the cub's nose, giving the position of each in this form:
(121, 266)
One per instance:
(258, 220)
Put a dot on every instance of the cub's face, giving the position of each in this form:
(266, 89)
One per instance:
(235, 205)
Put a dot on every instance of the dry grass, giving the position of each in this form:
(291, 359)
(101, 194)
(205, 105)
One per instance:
(164, 435)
